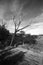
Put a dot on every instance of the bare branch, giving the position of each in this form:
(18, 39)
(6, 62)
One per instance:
(20, 20)
(18, 25)
(23, 28)
(13, 18)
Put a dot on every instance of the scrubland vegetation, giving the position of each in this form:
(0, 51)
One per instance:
(24, 50)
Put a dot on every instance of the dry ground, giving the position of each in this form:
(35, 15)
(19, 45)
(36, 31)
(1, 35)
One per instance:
(31, 57)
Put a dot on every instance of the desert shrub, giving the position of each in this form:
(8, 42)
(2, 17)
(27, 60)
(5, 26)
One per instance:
(30, 40)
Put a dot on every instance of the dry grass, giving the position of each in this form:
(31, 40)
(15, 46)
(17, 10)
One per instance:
(32, 57)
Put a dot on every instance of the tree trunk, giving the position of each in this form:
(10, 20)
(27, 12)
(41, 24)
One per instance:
(13, 39)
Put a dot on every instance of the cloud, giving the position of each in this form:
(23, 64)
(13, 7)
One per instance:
(39, 18)
(36, 19)
(31, 9)
(35, 29)
(9, 8)
(37, 25)
(27, 7)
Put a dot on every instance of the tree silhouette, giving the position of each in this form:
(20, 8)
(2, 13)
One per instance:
(17, 29)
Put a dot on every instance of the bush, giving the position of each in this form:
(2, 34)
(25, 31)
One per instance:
(4, 34)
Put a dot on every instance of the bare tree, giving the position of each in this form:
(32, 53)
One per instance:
(17, 29)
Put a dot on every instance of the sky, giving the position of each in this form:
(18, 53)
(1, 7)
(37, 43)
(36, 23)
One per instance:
(31, 11)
